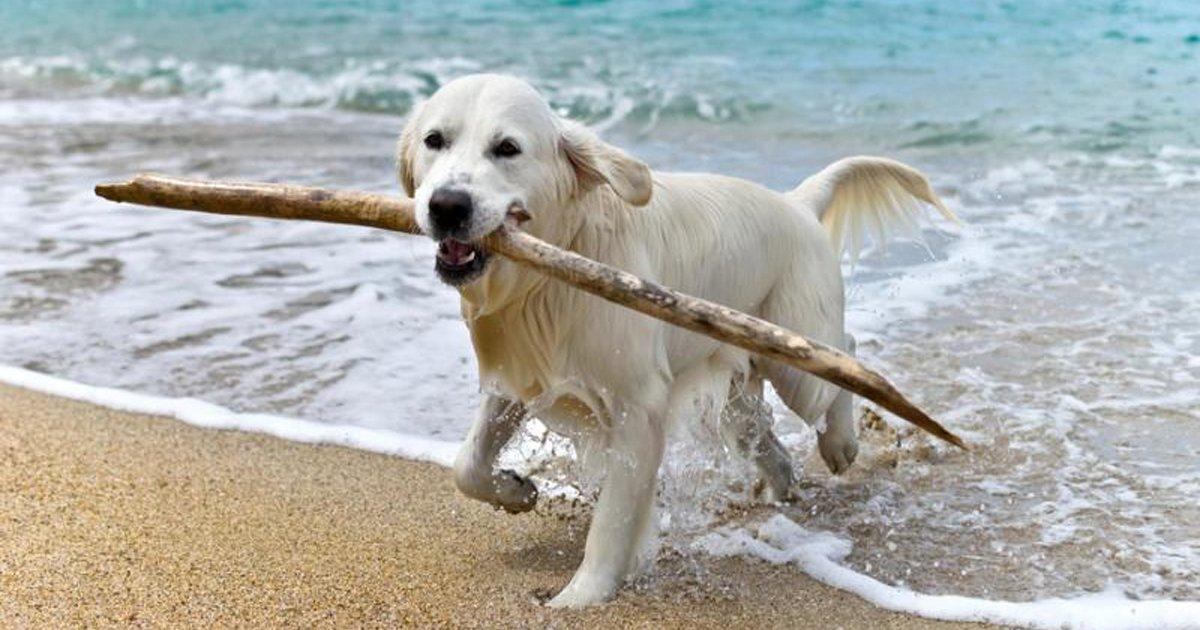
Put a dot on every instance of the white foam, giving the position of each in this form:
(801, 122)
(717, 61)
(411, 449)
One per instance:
(207, 415)
(781, 541)
(125, 110)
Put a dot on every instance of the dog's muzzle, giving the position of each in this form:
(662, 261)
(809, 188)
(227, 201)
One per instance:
(452, 211)
(458, 260)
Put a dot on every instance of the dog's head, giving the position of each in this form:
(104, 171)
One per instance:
(485, 148)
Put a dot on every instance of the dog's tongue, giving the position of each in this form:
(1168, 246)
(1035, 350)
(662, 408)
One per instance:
(456, 253)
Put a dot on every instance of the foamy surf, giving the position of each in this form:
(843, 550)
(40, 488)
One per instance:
(206, 415)
(778, 540)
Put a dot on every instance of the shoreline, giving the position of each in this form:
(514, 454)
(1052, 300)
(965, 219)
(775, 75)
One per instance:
(113, 517)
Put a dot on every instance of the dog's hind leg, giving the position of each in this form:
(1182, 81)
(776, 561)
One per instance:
(746, 425)
(813, 399)
(838, 443)
(475, 471)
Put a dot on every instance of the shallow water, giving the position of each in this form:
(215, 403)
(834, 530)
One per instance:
(1059, 330)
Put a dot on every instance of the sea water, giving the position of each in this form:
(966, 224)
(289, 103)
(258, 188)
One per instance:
(1058, 330)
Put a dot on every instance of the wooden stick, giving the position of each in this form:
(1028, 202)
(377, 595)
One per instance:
(722, 323)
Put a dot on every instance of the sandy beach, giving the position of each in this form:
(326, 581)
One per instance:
(109, 518)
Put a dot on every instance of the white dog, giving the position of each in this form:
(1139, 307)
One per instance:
(487, 149)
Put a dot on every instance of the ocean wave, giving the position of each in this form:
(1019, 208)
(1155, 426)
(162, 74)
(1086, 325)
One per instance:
(369, 86)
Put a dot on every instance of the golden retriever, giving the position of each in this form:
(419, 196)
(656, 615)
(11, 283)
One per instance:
(486, 149)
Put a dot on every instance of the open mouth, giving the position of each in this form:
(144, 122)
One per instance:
(459, 263)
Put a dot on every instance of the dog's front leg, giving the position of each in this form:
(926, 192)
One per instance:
(475, 471)
(623, 515)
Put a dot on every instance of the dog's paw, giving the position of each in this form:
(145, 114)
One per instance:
(775, 484)
(773, 493)
(583, 591)
(838, 449)
(515, 494)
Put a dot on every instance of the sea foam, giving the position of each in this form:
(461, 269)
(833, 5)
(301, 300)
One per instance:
(206, 415)
(780, 540)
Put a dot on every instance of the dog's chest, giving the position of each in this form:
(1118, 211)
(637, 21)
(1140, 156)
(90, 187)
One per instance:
(517, 350)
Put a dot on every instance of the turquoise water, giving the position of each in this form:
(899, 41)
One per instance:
(1099, 76)
(1058, 331)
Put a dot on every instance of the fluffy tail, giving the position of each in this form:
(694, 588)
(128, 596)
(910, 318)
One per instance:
(862, 195)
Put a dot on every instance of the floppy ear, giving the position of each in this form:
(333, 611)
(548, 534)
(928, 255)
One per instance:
(596, 162)
(406, 151)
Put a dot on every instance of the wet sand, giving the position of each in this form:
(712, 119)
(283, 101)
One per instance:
(110, 518)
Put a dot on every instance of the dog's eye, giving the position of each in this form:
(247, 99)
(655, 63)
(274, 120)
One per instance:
(506, 149)
(435, 141)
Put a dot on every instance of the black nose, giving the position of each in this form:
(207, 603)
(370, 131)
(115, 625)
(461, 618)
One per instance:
(449, 209)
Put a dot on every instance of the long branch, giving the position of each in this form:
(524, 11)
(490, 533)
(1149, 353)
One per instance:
(722, 323)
